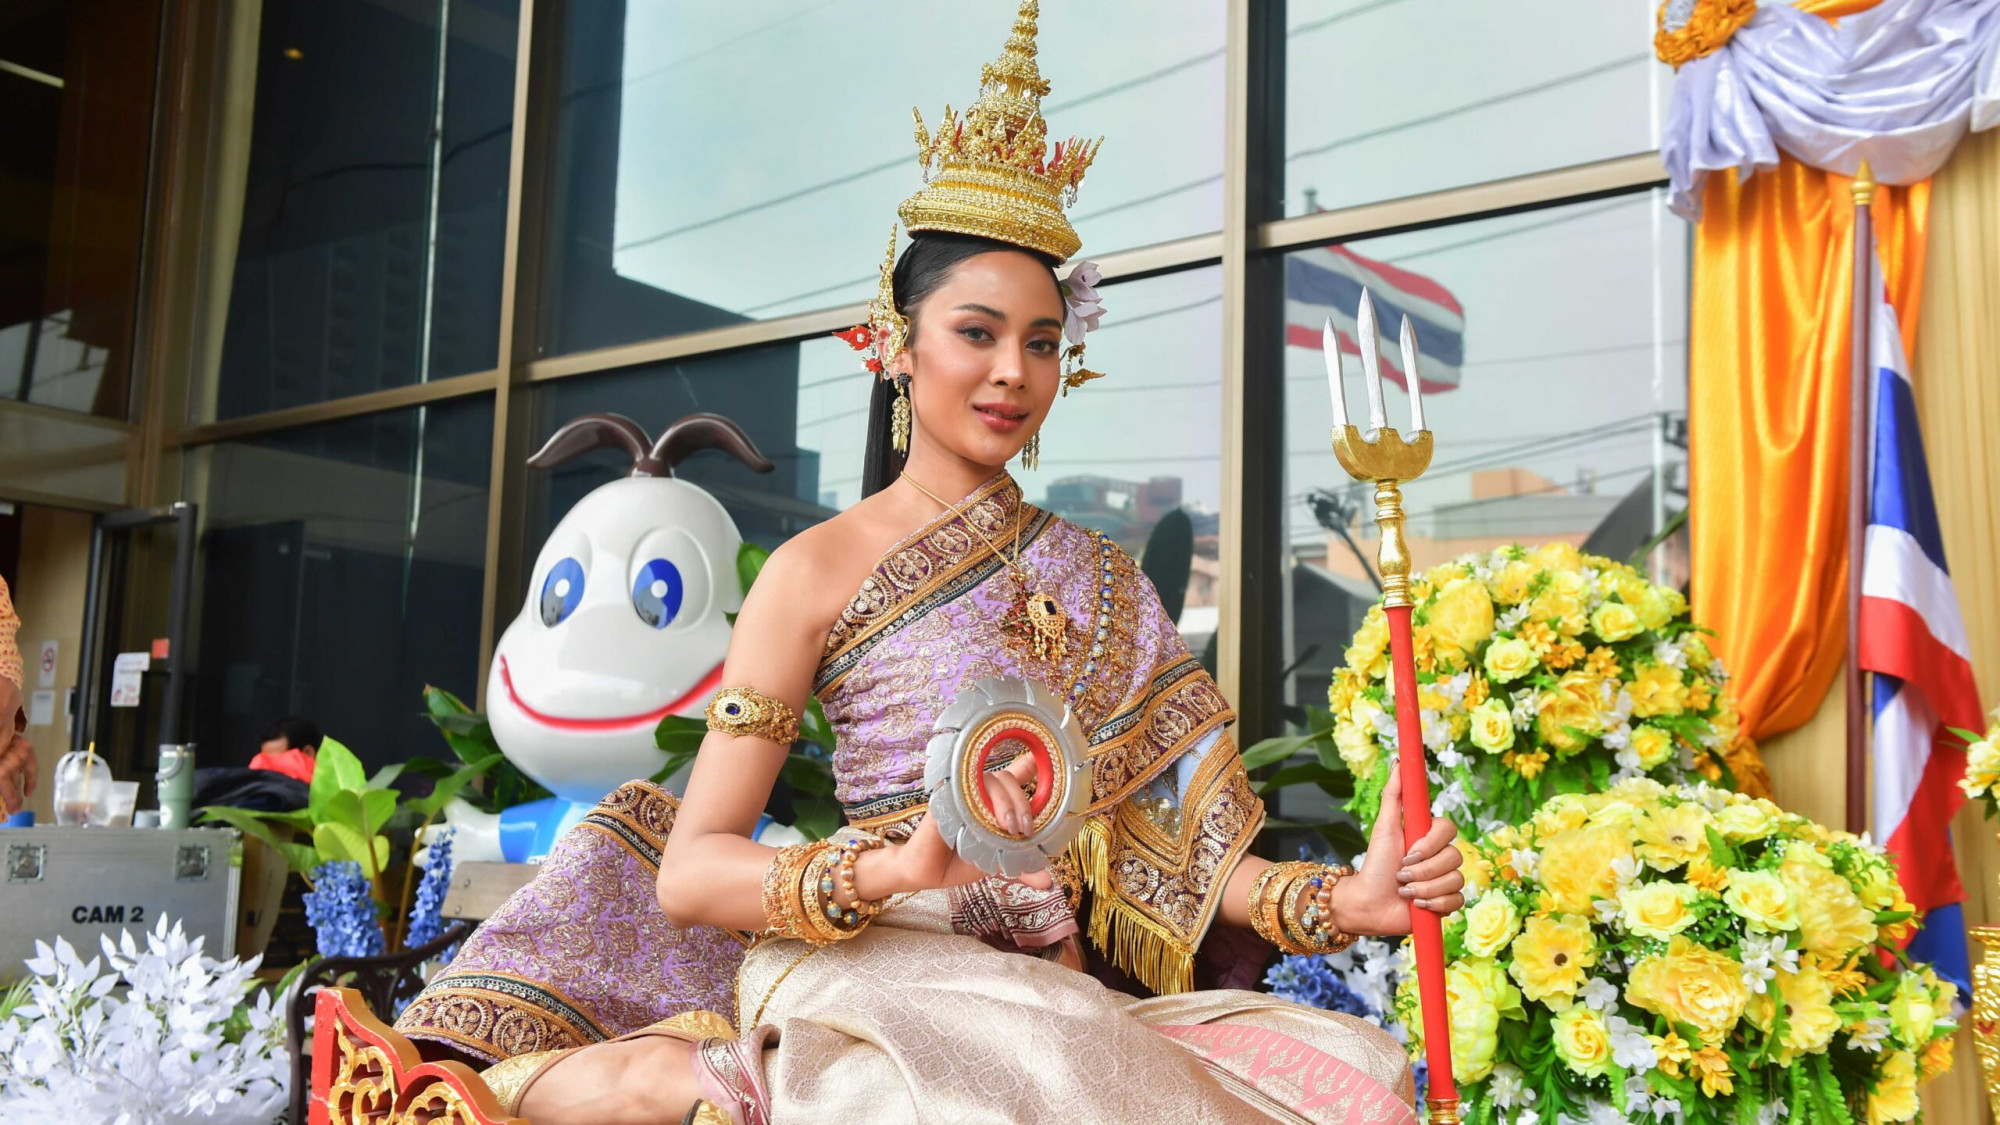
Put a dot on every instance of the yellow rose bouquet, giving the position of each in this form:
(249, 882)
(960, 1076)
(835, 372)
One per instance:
(1539, 672)
(1684, 953)
(1982, 765)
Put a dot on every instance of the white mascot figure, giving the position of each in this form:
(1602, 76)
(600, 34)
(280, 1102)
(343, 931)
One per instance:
(625, 623)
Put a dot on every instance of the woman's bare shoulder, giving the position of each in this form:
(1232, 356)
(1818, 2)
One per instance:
(820, 568)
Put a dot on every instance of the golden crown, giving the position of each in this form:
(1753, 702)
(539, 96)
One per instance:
(992, 173)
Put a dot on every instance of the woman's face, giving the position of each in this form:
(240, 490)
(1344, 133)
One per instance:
(985, 357)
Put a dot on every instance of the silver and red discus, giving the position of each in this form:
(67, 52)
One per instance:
(987, 727)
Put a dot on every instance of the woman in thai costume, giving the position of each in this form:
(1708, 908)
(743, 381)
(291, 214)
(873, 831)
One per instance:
(880, 976)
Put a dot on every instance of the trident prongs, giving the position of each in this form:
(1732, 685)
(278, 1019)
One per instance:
(1329, 342)
(1411, 380)
(1380, 453)
(1371, 363)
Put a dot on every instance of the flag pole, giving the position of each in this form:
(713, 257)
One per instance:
(1857, 498)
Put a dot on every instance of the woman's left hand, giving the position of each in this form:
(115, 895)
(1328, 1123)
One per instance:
(1376, 900)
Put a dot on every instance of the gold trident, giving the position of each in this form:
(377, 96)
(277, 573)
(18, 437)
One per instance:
(1381, 455)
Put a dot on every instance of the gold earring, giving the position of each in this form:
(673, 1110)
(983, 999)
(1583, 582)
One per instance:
(1031, 453)
(899, 416)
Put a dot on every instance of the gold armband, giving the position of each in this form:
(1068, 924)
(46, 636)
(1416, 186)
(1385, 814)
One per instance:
(744, 711)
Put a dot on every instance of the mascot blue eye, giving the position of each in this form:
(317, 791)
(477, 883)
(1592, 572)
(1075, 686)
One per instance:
(656, 593)
(562, 591)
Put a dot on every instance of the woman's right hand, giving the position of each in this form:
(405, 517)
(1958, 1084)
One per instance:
(926, 862)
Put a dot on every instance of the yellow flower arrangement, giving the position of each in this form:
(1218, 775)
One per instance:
(1718, 956)
(1540, 671)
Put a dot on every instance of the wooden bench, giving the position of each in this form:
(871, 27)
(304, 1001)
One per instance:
(362, 1071)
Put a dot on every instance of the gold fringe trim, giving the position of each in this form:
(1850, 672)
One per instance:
(1135, 943)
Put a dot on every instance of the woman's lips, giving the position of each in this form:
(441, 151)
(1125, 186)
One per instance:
(1001, 419)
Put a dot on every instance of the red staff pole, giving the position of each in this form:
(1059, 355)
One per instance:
(1388, 459)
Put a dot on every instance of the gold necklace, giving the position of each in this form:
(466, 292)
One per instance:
(1036, 619)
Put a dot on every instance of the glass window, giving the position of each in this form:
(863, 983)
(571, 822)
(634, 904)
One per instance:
(715, 164)
(366, 242)
(1119, 454)
(1389, 99)
(76, 121)
(341, 571)
(1554, 367)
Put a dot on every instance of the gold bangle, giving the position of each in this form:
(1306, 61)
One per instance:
(782, 912)
(747, 712)
(1321, 938)
(824, 916)
(1263, 902)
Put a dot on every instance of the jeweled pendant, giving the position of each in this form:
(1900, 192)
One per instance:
(1048, 627)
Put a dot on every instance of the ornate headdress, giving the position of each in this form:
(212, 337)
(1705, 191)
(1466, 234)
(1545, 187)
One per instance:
(991, 173)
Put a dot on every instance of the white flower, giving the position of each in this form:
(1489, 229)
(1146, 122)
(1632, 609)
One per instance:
(1598, 994)
(1626, 868)
(1672, 652)
(1525, 861)
(1083, 306)
(156, 1052)
(1525, 707)
(1511, 618)
(1630, 1048)
(1871, 1035)
(1620, 738)
(1449, 758)
(1506, 1087)
(1770, 1113)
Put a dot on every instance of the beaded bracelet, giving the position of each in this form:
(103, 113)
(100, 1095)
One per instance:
(843, 871)
(1308, 928)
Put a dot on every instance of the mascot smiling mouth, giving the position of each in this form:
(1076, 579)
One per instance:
(705, 687)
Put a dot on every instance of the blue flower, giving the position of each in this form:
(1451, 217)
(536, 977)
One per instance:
(342, 911)
(427, 909)
(1308, 979)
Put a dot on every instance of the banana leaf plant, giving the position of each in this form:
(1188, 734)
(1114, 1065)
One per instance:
(807, 772)
(348, 816)
(1308, 758)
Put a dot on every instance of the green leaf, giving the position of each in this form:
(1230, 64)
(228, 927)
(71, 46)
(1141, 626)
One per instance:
(816, 818)
(246, 821)
(466, 731)
(337, 841)
(807, 775)
(386, 776)
(344, 808)
(1308, 773)
(450, 786)
(1967, 735)
(303, 858)
(680, 734)
(1271, 750)
(673, 766)
(347, 769)
(298, 819)
(377, 806)
(814, 728)
(750, 559)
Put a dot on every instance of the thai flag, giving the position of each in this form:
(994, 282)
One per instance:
(1327, 282)
(1914, 641)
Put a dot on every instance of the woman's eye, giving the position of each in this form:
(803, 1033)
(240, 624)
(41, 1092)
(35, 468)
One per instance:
(657, 593)
(1044, 347)
(974, 332)
(562, 591)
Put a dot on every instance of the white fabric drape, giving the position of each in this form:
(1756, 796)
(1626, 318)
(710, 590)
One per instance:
(1897, 85)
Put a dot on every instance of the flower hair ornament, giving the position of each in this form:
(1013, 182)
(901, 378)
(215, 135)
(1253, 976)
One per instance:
(882, 338)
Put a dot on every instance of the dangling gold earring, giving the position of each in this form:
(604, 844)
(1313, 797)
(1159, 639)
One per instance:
(899, 416)
(1031, 453)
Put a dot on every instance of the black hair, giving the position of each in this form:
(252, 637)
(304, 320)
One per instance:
(299, 732)
(926, 264)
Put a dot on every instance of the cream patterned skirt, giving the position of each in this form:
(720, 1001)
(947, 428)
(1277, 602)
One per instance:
(910, 1022)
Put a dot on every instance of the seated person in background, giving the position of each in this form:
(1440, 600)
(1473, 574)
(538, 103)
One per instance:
(290, 745)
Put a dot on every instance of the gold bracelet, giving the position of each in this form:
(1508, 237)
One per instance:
(824, 916)
(1264, 902)
(1316, 935)
(782, 912)
(747, 712)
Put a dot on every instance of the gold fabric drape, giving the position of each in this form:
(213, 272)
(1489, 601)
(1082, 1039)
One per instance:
(1958, 406)
(1768, 420)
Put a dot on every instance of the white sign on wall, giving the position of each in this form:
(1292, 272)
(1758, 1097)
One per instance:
(126, 671)
(45, 667)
